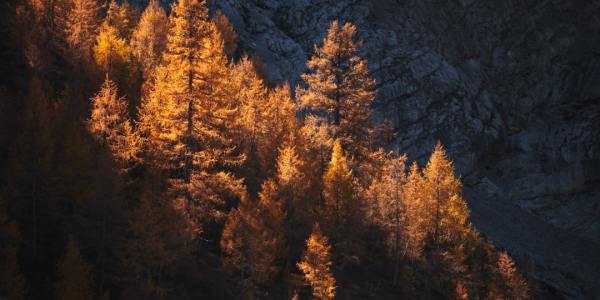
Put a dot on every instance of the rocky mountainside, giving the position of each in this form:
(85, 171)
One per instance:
(511, 88)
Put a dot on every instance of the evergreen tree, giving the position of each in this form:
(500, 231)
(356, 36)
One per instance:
(80, 27)
(149, 38)
(254, 239)
(391, 209)
(316, 265)
(74, 275)
(339, 190)
(187, 119)
(449, 212)
(112, 54)
(339, 85)
(110, 124)
(449, 229)
(227, 32)
(417, 212)
(515, 286)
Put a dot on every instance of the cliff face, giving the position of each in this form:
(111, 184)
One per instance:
(511, 88)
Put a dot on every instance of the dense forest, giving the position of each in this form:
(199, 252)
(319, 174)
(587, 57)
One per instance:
(144, 157)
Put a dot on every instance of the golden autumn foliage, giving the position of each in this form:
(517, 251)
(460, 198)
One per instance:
(110, 124)
(442, 196)
(216, 187)
(254, 239)
(80, 27)
(149, 38)
(341, 203)
(316, 265)
(112, 52)
(340, 86)
(515, 286)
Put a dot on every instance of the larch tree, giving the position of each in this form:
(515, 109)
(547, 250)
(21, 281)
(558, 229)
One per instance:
(515, 286)
(292, 184)
(277, 126)
(390, 208)
(149, 38)
(110, 123)
(316, 265)
(74, 275)
(80, 26)
(340, 87)
(227, 32)
(266, 120)
(449, 228)
(186, 121)
(339, 190)
(417, 212)
(112, 54)
(448, 210)
(12, 283)
(254, 239)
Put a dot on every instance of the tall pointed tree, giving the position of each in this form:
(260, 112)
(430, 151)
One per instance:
(254, 239)
(339, 190)
(186, 119)
(316, 265)
(110, 124)
(80, 28)
(339, 85)
(514, 285)
(448, 210)
(149, 38)
(112, 54)
(390, 207)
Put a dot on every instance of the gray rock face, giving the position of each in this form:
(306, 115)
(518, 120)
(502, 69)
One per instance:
(511, 88)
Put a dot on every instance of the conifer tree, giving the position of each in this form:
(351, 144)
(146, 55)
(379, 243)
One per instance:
(149, 38)
(12, 283)
(391, 209)
(187, 119)
(227, 32)
(339, 85)
(74, 275)
(449, 212)
(339, 190)
(254, 239)
(267, 119)
(110, 124)
(112, 53)
(316, 265)
(515, 286)
(417, 213)
(80, 28)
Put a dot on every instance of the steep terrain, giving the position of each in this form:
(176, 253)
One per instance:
(511, 88)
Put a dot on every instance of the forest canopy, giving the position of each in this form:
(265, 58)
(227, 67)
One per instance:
(146, 157)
